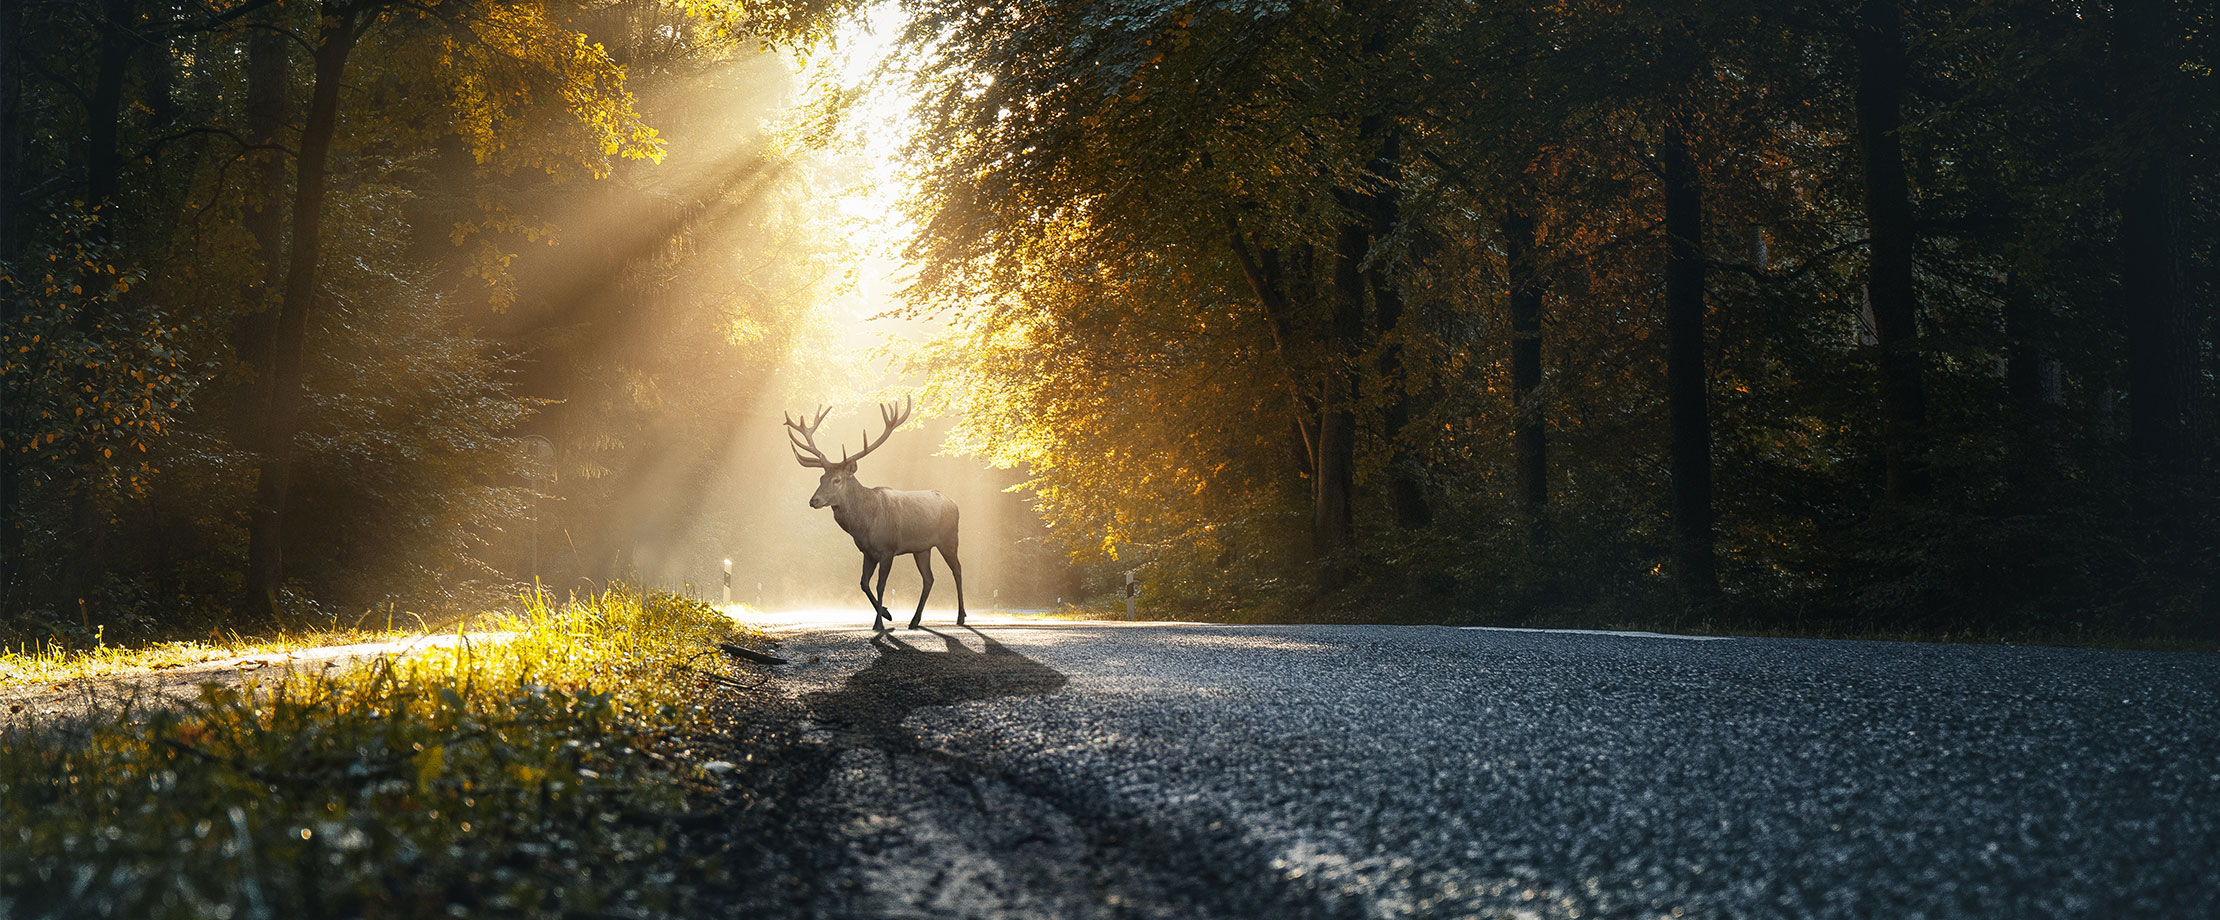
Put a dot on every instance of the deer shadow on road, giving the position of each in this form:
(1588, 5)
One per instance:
(952, 830)
(905, 678)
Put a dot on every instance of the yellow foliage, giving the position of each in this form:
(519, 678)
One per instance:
(526, 76)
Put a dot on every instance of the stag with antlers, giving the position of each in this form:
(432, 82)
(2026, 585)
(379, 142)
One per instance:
(884, 522)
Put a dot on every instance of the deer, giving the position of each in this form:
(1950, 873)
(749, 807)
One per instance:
(884, 522)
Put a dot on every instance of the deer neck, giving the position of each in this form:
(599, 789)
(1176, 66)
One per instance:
(858, 502)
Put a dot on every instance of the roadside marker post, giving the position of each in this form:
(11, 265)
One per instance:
(728, 583)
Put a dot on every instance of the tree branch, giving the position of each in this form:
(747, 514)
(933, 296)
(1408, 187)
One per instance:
(1764, 277)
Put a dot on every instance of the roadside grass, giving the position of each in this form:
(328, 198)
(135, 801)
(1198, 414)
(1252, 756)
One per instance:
(546, 775)
(51, 660)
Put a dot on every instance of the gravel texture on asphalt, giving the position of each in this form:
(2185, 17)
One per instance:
(1028, 768)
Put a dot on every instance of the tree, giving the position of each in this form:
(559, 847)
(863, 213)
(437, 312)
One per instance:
(1882, 70)
(339, 28)
(1687, 384)
(2162, 333)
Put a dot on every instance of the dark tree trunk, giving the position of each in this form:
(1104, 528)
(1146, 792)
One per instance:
(1324, 411)
(1406, 475)
(266, 528)
(172, 160)
(2032, 389)
(1266, 279)
(11, 239)
(1882, 69)
(1333, 526)
(2161, 331)
(1529, 418)
(269, 56)
(12, 134)
(2161, 328)
(158, 80)
(2030, 370)
(104, 108)
(1695, 567)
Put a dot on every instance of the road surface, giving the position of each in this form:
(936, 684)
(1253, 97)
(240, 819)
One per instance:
(1040, 768)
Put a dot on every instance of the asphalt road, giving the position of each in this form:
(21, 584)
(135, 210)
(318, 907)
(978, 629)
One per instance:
(1029, 768)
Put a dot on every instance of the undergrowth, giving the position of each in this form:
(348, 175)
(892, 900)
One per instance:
(546, 775)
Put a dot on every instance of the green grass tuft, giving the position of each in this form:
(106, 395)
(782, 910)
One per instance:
(51, 660)
(541, 775)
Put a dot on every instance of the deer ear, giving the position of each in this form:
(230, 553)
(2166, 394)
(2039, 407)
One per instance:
(849, 467)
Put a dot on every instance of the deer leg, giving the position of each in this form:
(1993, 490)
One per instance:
(925, 574)
(878, 610)
(948, 555)
(886, 567)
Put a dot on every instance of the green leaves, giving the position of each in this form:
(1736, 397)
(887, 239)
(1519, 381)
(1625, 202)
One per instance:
(94, 378)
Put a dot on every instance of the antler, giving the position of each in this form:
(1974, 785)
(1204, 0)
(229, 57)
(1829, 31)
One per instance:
(804, 437)
(808, 440)
(892, 420)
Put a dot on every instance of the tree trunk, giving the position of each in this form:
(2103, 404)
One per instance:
(269, 56)
(12, 207)
(1333, 524)
(1266, 280)
(1529, 418)
(266, 528)
(1406, 476)
(172, 163)
(2031, 390)
(158, 79)
(1695, 567)
(1882, 68)
(2161, 329)
(12, 135)
(2161, 332)
(104, 108)
(2029, 367)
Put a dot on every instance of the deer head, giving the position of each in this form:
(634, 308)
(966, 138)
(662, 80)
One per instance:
(839, 478)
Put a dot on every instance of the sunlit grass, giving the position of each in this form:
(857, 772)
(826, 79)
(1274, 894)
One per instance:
(52, 660)
(538, 775)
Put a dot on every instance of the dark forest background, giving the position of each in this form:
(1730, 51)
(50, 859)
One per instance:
(1852, 316)
(1857, 317)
